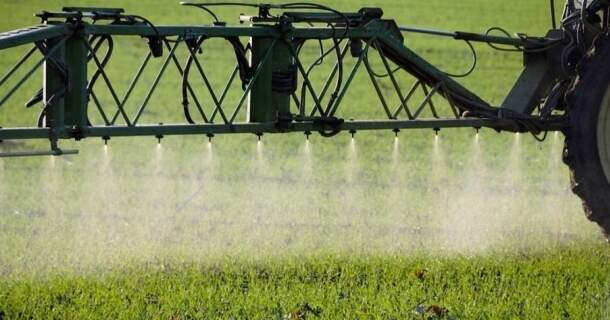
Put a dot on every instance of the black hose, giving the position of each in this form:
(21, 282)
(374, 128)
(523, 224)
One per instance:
(185, 81)
(245, 72)
(104, 60)
(146, 21)
(339, 83)
(316, 63)
(472, 67)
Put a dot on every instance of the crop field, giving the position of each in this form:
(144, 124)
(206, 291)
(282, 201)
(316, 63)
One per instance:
(455, 226)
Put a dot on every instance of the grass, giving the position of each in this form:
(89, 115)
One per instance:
(550, 285)
(419, 229)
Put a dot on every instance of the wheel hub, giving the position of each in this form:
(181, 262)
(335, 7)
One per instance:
(603, 134)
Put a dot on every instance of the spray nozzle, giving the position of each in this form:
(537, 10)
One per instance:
(159, 136)
(259, 135)
(106, 139)
(210, 137)
(353, 133)
(396, 132)
(307, 134)
(437, 131)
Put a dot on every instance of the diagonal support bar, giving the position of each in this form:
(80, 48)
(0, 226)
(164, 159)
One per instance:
(107, 81)
(153, 87)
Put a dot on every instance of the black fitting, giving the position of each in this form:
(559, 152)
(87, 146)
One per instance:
(285, 24)
(283, 120)
(285, 82)
(155, 44)
(77, 133)
(284, 116)
(371, 13)
(355, 48)
(264, 11)
(328, 121)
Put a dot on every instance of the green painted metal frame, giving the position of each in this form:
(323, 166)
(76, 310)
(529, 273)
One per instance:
(241, 128)
(73, 51)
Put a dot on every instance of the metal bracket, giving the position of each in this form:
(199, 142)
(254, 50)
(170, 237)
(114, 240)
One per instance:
(56, 153)
(537, 79)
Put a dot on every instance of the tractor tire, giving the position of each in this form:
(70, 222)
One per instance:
(587, 148)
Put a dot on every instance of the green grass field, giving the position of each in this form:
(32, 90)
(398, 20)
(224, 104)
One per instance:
(455, 227)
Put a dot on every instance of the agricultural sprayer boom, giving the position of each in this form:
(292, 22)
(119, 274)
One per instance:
(268, 72)
(275, 90)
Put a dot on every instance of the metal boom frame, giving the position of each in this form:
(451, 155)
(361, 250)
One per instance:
(271, 73)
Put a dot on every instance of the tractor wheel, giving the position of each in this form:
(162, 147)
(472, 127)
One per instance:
(587, 151)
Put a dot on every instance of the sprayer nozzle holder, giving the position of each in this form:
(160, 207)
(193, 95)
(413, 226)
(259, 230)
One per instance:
(159, 138)
(210, 137)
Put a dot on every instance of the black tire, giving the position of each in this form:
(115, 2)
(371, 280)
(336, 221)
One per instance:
(587, 101)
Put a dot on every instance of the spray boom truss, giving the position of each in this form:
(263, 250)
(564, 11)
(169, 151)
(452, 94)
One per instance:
(276, 91)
